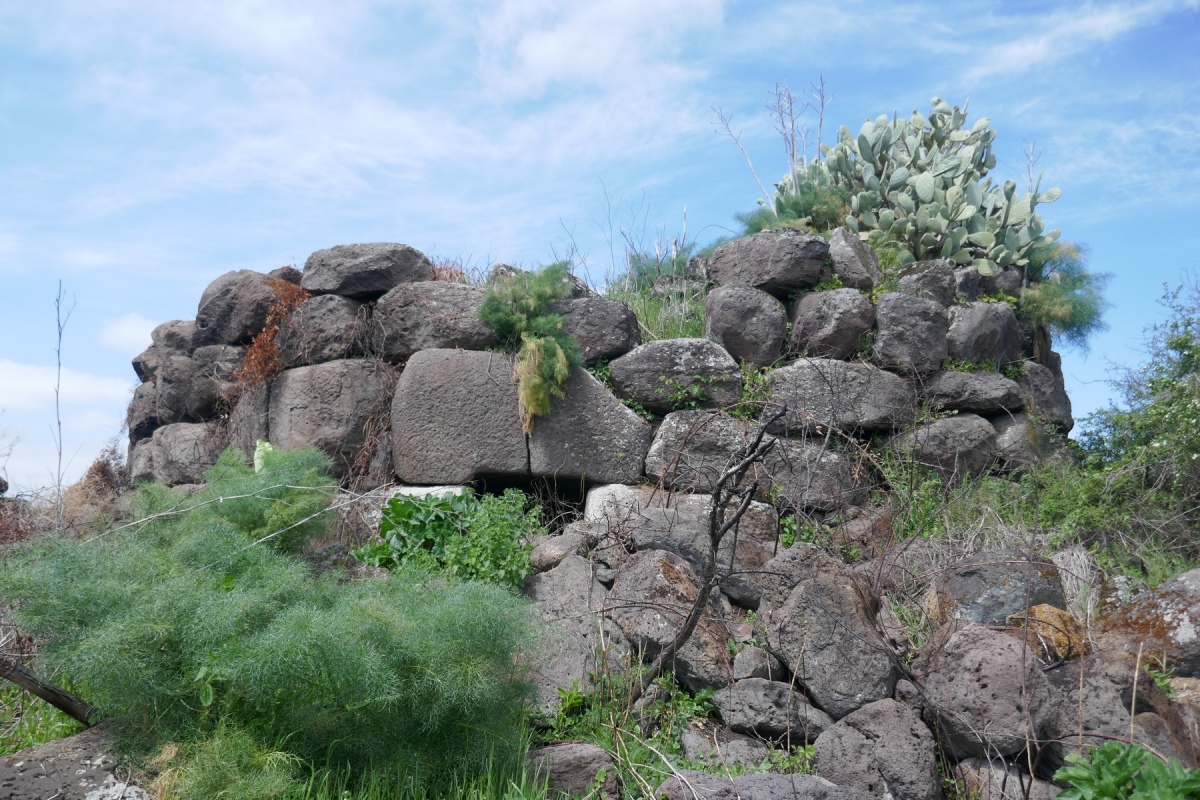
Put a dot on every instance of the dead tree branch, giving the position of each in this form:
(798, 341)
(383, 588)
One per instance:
(721, 520)
(72, 705)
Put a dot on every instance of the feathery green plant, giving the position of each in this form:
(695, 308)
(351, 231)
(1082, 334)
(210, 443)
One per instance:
(518, 310)
(189, 626)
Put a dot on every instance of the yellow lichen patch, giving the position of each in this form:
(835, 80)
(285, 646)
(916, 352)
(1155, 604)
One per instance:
(1057, 633)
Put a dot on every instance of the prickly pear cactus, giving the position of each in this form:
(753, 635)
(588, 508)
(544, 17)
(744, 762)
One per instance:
(921, 183)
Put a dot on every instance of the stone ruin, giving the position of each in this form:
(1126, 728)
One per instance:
(390, 372)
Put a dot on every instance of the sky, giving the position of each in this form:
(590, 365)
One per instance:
(147, 148)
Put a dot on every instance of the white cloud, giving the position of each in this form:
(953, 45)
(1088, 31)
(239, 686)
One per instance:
(128, 333)
(1065, 33)
(30, 387)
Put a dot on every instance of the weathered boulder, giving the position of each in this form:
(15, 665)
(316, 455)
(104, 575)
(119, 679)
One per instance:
(853, 262)
(884, 749)
(719, 747)
(780, 262)
(825, 634)
(770, 709)
(804, 476)
(1022, 441)
(992, 585)
(588, 435)
(573, 768)
(789, 567)
(982, 332)
(1046, 396)
(691, 449)
(577, 539)
(1165, 620)
(181, 453)
(643, 518)
(957, 447)
(967, 284)
(653, 593)
(750, 324)
(79, 767)
(831, 324)
(1102, 710)
(454, 418)
(604, 328)
(169, 338)
(755, 662)
(364, 271)
(847, 396)
(985, 691)
(425, 315)
(141, 417)
(323, 328)
(933, 280)
(580, 641)
(329, 406)
(982, 779)
(670, 373)
(910, 333)
(1006, 281)
(982, 392)
(249, 419)
(207, 379)
(690, 784)
(234, 308)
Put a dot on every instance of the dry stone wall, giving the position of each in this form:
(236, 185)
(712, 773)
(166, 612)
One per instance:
(389, 372)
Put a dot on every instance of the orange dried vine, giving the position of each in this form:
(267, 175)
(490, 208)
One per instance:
(263, 357)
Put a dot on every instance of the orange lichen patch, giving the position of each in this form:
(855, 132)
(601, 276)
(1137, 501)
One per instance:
(263, 362)
(1057, 633)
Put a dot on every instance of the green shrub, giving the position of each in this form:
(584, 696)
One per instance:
(1063, 295)
(1121, 771)
(518, 310)
(465, 537)
(186, 628)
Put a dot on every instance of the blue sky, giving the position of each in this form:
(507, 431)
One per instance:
(148, 147)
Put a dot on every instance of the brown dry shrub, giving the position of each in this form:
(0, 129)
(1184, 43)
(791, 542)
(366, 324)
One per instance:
(263, 358)
(94, 496)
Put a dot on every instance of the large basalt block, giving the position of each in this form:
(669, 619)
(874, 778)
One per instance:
(855, 264)
(933, 280)
(663, 374)
(650, 598)
(604, 328)
(980, 392)
(454, 418)
(364, 271)
(847, 396)
(825, 632)
(958, 447)
(331, 407)
(750, 324)
(324, 328)
(982, 332)
(588, 435)
(985, 691)
(182, 453)
(1166, 620)
(884, 749)
(780, 262)
(429, 315)
(910, 333)
(1045, 396)
(234, 308)
(831, 324)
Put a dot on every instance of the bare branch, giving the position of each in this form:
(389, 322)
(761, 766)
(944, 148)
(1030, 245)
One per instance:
(725, 123)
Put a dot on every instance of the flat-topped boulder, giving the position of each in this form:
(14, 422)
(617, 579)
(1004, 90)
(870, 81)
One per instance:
(831, 324)
(984, 332)
(604, 328)
(364, 271)
(678, 373)
(426, 315)
(910, 333)
(323, 328)
(848, 396)
(781, 262)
